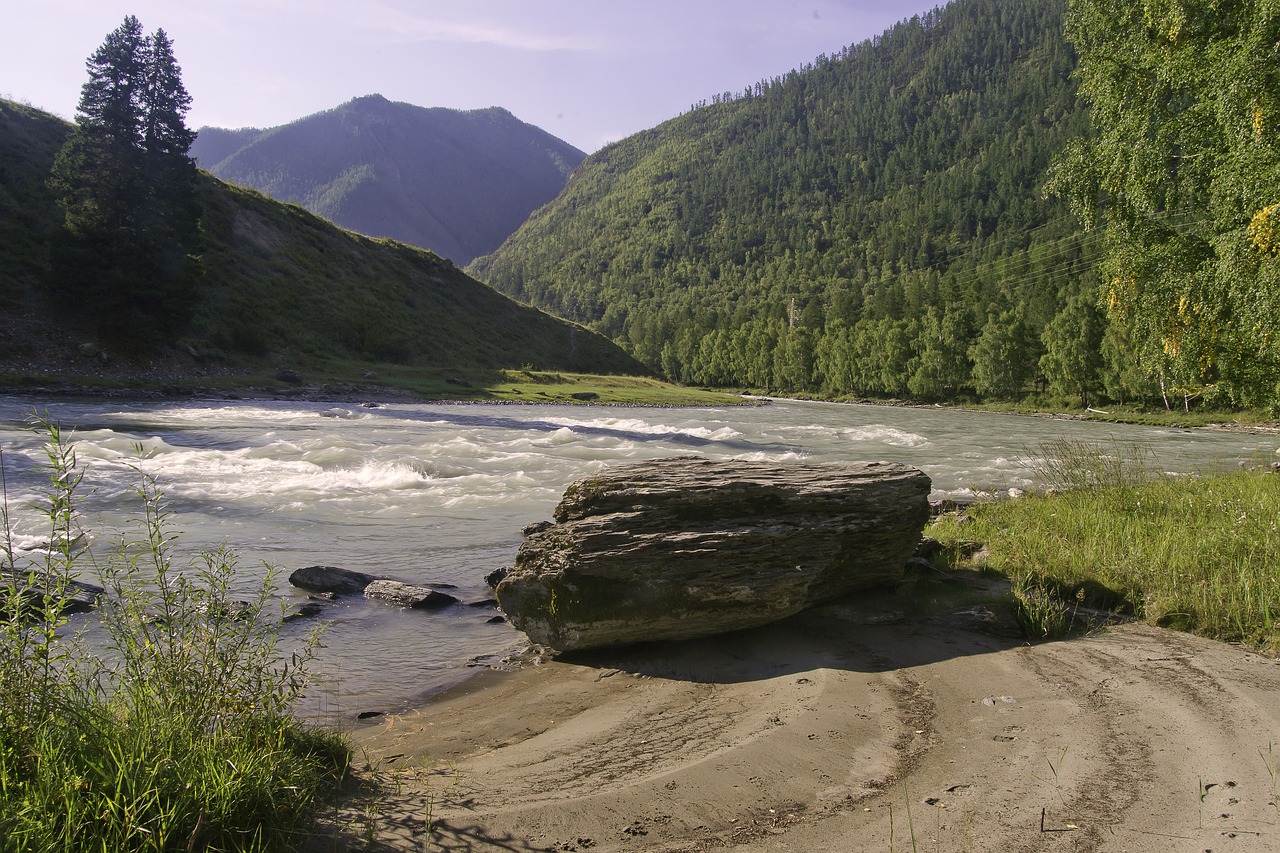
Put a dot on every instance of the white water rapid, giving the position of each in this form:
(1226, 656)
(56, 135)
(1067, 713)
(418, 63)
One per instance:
(438, 493)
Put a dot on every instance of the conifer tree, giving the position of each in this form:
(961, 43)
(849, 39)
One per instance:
(98, 172)
(129, 189)
(166, 102)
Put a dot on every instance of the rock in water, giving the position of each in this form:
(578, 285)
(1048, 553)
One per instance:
(407, 595)
(686, 547)
(331, 579)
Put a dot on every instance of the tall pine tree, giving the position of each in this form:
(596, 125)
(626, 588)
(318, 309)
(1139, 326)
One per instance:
(99, 171)
(129, 191)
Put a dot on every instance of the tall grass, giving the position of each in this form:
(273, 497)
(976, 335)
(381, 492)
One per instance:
(177, 735)
(1200, 554)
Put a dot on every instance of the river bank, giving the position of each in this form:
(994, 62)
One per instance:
(856, 726)
(182, 374)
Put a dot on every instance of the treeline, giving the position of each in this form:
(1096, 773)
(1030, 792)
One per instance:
(873, 224)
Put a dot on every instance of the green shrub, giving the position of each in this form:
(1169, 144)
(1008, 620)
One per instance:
(177, 735)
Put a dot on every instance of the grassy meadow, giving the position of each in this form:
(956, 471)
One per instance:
(1199, 554)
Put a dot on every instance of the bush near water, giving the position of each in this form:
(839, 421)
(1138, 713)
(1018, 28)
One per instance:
(177, 735)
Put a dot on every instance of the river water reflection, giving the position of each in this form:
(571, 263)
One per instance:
(439, 493)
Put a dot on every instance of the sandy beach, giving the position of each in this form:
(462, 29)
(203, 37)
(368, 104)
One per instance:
(859, 725)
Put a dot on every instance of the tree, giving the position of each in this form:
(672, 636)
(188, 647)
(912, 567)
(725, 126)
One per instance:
(1183, 174)
(942, 364)
(166, 101)
(1004, 355)
(129, 190)
(1072, 343)
(1123, 378)
(99, 170)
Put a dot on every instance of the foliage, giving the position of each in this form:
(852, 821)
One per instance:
(128, 190)
(1004, 354)
(1182, 171)
(849, 228)
(1196, 553)
(1073, 350)
(178, 737)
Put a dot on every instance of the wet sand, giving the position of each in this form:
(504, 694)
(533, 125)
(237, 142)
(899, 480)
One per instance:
(851, 727)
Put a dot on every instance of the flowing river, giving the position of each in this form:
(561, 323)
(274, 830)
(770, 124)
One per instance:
(439, 493)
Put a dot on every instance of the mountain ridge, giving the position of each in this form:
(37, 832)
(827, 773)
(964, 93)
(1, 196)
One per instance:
(452, 181)
(817, 232)
(277, 285)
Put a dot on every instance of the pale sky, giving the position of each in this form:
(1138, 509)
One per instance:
(588, 71)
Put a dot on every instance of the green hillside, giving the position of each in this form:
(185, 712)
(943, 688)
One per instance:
(455, 182)
(872, 223)
(276, 285)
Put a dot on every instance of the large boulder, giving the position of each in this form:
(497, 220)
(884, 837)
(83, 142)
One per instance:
(687, 547)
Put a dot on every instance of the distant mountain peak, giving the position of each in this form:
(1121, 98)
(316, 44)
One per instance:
(457, 182)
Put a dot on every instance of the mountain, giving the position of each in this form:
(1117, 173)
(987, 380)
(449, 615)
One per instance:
(871, 223)
(457, 183)
(276, 284)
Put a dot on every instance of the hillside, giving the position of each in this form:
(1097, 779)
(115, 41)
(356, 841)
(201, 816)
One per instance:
(277, 286)
(457, 183)
(872, 223)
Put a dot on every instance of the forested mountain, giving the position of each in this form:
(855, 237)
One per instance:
(270, 283)
(457, 183)
(872, 223)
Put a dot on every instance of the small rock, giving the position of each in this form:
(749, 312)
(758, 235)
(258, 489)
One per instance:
(304, 611)
(536, 527)
(919, 564)
(407, 595)
(928, 547)
(331, 579)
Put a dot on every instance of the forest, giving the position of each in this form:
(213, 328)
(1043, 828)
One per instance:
(924, 215)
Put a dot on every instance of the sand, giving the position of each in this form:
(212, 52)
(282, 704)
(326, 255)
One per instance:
(855, 726)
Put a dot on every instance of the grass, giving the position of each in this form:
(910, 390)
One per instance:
(334, 379)
(531, 386)
(176, 735)
(1200, 554)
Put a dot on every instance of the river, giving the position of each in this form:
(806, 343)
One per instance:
(439, 493)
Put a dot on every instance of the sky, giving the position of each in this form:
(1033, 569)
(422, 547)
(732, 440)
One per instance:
(587, 71)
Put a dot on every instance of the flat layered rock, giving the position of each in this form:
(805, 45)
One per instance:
(408, 595)
(687, 547)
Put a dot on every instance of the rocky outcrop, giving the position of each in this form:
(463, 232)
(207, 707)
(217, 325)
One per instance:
(686, 547)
